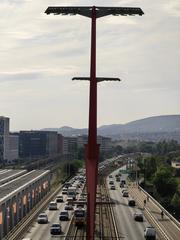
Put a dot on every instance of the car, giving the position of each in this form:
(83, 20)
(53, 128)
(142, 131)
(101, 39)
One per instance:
(125, 194)
(68, 207)
(112, 187)
(80, 205)
(64, 191)
(121, 185)
(123, 181)
(138, 217)
(110, 176)
(42, 218)
(111, 182)
(67, 184)
(64, 216)
(55, 229)
(131, 202)
(82, 199)
(53, 206)
(150, 233)
(59, 199)
(124, 190)
(69, 199)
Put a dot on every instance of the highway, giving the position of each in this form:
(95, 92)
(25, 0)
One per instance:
(170, 230)
(129, 229)
(42, 231)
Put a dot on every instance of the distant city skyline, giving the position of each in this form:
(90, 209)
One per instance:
(41, 53)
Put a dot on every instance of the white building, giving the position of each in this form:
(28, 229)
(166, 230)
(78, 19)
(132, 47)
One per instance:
(175, 164)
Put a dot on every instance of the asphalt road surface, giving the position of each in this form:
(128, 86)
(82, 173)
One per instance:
(128, 228)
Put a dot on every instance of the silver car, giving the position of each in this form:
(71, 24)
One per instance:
(42, 218)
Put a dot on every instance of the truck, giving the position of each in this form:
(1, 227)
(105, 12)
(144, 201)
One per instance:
(71, 192)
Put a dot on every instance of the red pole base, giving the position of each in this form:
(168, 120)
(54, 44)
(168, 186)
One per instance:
(91, 181)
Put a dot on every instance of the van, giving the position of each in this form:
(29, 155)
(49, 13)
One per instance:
(150, 233)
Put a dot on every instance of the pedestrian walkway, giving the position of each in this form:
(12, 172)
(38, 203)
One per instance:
(151, 210)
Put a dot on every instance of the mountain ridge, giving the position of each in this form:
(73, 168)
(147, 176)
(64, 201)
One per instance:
(162, 123)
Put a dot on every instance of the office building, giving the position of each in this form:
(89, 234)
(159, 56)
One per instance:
(4, 139)
(34, 144)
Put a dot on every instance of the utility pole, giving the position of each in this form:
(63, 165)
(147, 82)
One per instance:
(92, 148)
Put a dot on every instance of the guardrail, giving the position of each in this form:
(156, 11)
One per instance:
(159, 228)
(149, 216)
(161, 207)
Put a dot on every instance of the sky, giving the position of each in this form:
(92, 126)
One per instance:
(39, 55)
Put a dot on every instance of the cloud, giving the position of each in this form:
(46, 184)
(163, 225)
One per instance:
(173, 8)
(34, 75)
(40, 54)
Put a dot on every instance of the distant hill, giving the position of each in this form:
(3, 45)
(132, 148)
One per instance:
(166, 123)
(68, 131)
(148, 128)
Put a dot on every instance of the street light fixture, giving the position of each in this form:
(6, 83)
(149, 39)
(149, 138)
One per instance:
(92, 148)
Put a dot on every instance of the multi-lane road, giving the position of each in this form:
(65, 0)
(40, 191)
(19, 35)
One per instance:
(128, 228)
(42, 231)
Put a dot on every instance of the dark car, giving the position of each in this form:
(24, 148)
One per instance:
(123, 181)
(64, 191)
(112, 187)
(125, 194)
(55, 229)
(131, 202)
(111, 182)
(64, 216)
(121, 185)
(59, 199)
(138, 217)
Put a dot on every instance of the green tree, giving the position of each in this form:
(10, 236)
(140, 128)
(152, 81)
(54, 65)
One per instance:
(164, 182)
(81, 153)
(175, 202)
(150, 165)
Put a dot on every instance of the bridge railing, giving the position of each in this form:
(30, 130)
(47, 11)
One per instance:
(161, 207)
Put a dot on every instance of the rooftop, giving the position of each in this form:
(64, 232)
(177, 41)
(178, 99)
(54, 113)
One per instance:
(20, 183)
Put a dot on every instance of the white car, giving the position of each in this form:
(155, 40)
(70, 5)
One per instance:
(53, 206)
(69, 199)
(42, 218)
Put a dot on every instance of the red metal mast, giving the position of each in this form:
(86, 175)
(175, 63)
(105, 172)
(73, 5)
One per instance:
(92, 148)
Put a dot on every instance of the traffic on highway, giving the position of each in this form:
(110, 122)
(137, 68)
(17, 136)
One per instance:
(131, 221)
(55, 220)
